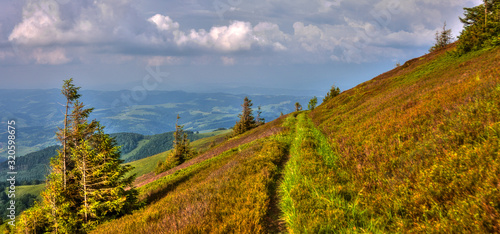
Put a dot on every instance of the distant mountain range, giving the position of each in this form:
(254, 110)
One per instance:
(38, 113)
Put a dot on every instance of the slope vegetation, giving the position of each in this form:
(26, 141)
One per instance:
(419, 146)
(230, 188)
(413, 150)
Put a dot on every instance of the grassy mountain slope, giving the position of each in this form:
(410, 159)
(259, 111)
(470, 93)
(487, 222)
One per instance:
(419, 146)
(413, 150)
(229, 188)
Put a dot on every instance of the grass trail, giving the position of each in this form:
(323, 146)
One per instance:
(314, 197)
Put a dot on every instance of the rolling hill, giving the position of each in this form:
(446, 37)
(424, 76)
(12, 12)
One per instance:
(415, 149)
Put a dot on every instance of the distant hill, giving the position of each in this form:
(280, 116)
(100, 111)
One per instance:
(38, 113)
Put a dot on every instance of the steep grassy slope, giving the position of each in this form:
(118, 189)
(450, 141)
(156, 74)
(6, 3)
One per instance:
(230, 188)
(418, 147)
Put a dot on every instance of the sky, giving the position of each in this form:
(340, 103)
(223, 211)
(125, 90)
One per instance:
(213, 45)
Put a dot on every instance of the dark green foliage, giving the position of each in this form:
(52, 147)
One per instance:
(159, 143)
(87, 181)
(181, 152)
(33, 166)
(23, 202)
(247, 121)
(127, 141)
(334, 91)
(298, 107)
(260, 119)
(481, 27)
(312, 103)
(443, 39)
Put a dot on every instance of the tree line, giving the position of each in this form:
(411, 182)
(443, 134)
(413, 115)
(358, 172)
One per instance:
(481, 29)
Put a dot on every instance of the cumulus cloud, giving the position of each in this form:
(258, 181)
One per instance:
(48, 22)
(236, 36)
(163, 23)
(40, 23)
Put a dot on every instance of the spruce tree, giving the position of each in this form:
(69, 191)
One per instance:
(182, 147)
(87, 183)
(298, 107)
(247, 121)
(260, 119)
(312, 103)
(443, 39)
(481, 27)
(334, 91)
(181, 151)
(70, 92)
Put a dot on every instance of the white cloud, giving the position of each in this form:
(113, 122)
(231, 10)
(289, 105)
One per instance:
(270, 34)
(95, 22)
(236, 36)
(40, 23)
(164, 23)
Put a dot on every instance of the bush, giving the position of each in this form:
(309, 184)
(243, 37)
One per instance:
(334, 91)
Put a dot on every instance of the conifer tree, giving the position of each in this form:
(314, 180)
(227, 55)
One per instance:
(312, 103)
(334, 91)
(481, 27)
(298, 107)
(260, 119)
(87, 181)
(247, 121)
(70, 92)
(443, 39)
(182, 147)
(181, 152)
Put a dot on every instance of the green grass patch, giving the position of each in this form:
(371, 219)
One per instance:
(30, 189)
(315, 197)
